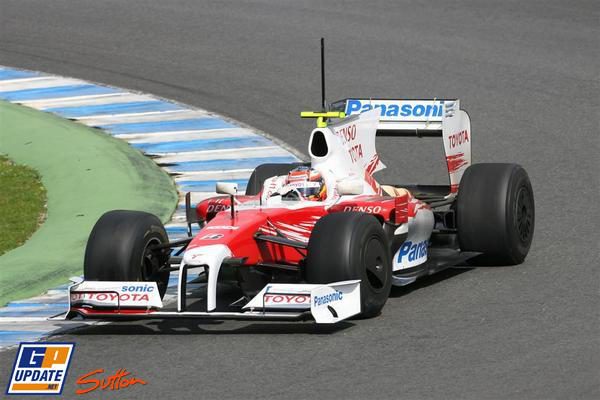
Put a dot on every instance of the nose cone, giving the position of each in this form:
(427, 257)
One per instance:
(206, 255)
(212, 257)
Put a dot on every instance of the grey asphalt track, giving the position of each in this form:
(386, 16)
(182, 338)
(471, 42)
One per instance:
(527, 72)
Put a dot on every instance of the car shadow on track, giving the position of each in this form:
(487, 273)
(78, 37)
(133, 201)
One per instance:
(207, 327)
(399, 291)
(191, 327)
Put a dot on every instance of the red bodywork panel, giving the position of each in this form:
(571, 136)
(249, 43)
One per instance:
(294, 222)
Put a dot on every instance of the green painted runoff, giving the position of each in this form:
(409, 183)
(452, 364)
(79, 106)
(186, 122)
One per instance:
(86, 172)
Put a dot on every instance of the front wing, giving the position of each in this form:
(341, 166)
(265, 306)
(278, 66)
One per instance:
(324, 303)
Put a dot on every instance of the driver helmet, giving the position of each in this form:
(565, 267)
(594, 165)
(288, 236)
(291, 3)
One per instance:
(307, 183)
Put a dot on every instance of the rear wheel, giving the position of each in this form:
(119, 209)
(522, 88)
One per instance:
(120, 249)
(352, 245)
(264, 172)
(496, 213)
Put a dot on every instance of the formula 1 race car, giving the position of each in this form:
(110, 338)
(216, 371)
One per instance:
(321, 240)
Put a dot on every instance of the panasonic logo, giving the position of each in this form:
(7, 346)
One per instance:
(397, 109)
(328, 298)
(412, 251)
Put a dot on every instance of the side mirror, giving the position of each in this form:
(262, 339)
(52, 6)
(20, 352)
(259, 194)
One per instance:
(227, 188)
(350, 187)
(230, 189)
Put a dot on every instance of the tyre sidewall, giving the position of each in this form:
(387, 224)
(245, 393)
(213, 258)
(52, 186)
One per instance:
(337, 251)
(373, 299)
(519, 249)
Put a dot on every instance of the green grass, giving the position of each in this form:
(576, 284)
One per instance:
(22, 204)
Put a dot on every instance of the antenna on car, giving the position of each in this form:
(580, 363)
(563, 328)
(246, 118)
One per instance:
(323, 101)
(323, 115)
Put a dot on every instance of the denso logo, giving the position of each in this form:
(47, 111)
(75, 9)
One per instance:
(413, 251)
(347, 133)
(216, 208)
(365, 209)
(392, 108)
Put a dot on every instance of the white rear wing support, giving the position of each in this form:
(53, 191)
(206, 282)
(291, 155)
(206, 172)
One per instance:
(422, 118)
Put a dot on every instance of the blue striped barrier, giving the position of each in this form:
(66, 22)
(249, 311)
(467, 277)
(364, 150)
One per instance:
(200, 147)
(117, 108)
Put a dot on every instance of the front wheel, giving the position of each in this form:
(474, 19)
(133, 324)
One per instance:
(120, 248)
(352, 245)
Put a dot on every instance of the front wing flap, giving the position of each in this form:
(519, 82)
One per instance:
(325, 303)
(328, 303)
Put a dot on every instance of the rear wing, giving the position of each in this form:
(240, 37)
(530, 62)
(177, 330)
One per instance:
(421, 118)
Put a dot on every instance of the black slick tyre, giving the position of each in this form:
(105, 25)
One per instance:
(495, 213)
(119, 248)
(352, 245)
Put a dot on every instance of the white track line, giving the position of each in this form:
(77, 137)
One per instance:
(24, 319)
(213, 175)
(103, 118)
(38, 84)
(223, 154)
(42, 103)
(178, 216)
(91, 100)
(23, 80)
(176, 225)
(109, 119)
(172, 115)
(178, 136)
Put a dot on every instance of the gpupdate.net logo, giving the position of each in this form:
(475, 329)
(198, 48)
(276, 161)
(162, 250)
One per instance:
(40, 368)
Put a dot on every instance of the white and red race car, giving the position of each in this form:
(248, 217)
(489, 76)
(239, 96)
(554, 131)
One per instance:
(322, 240)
